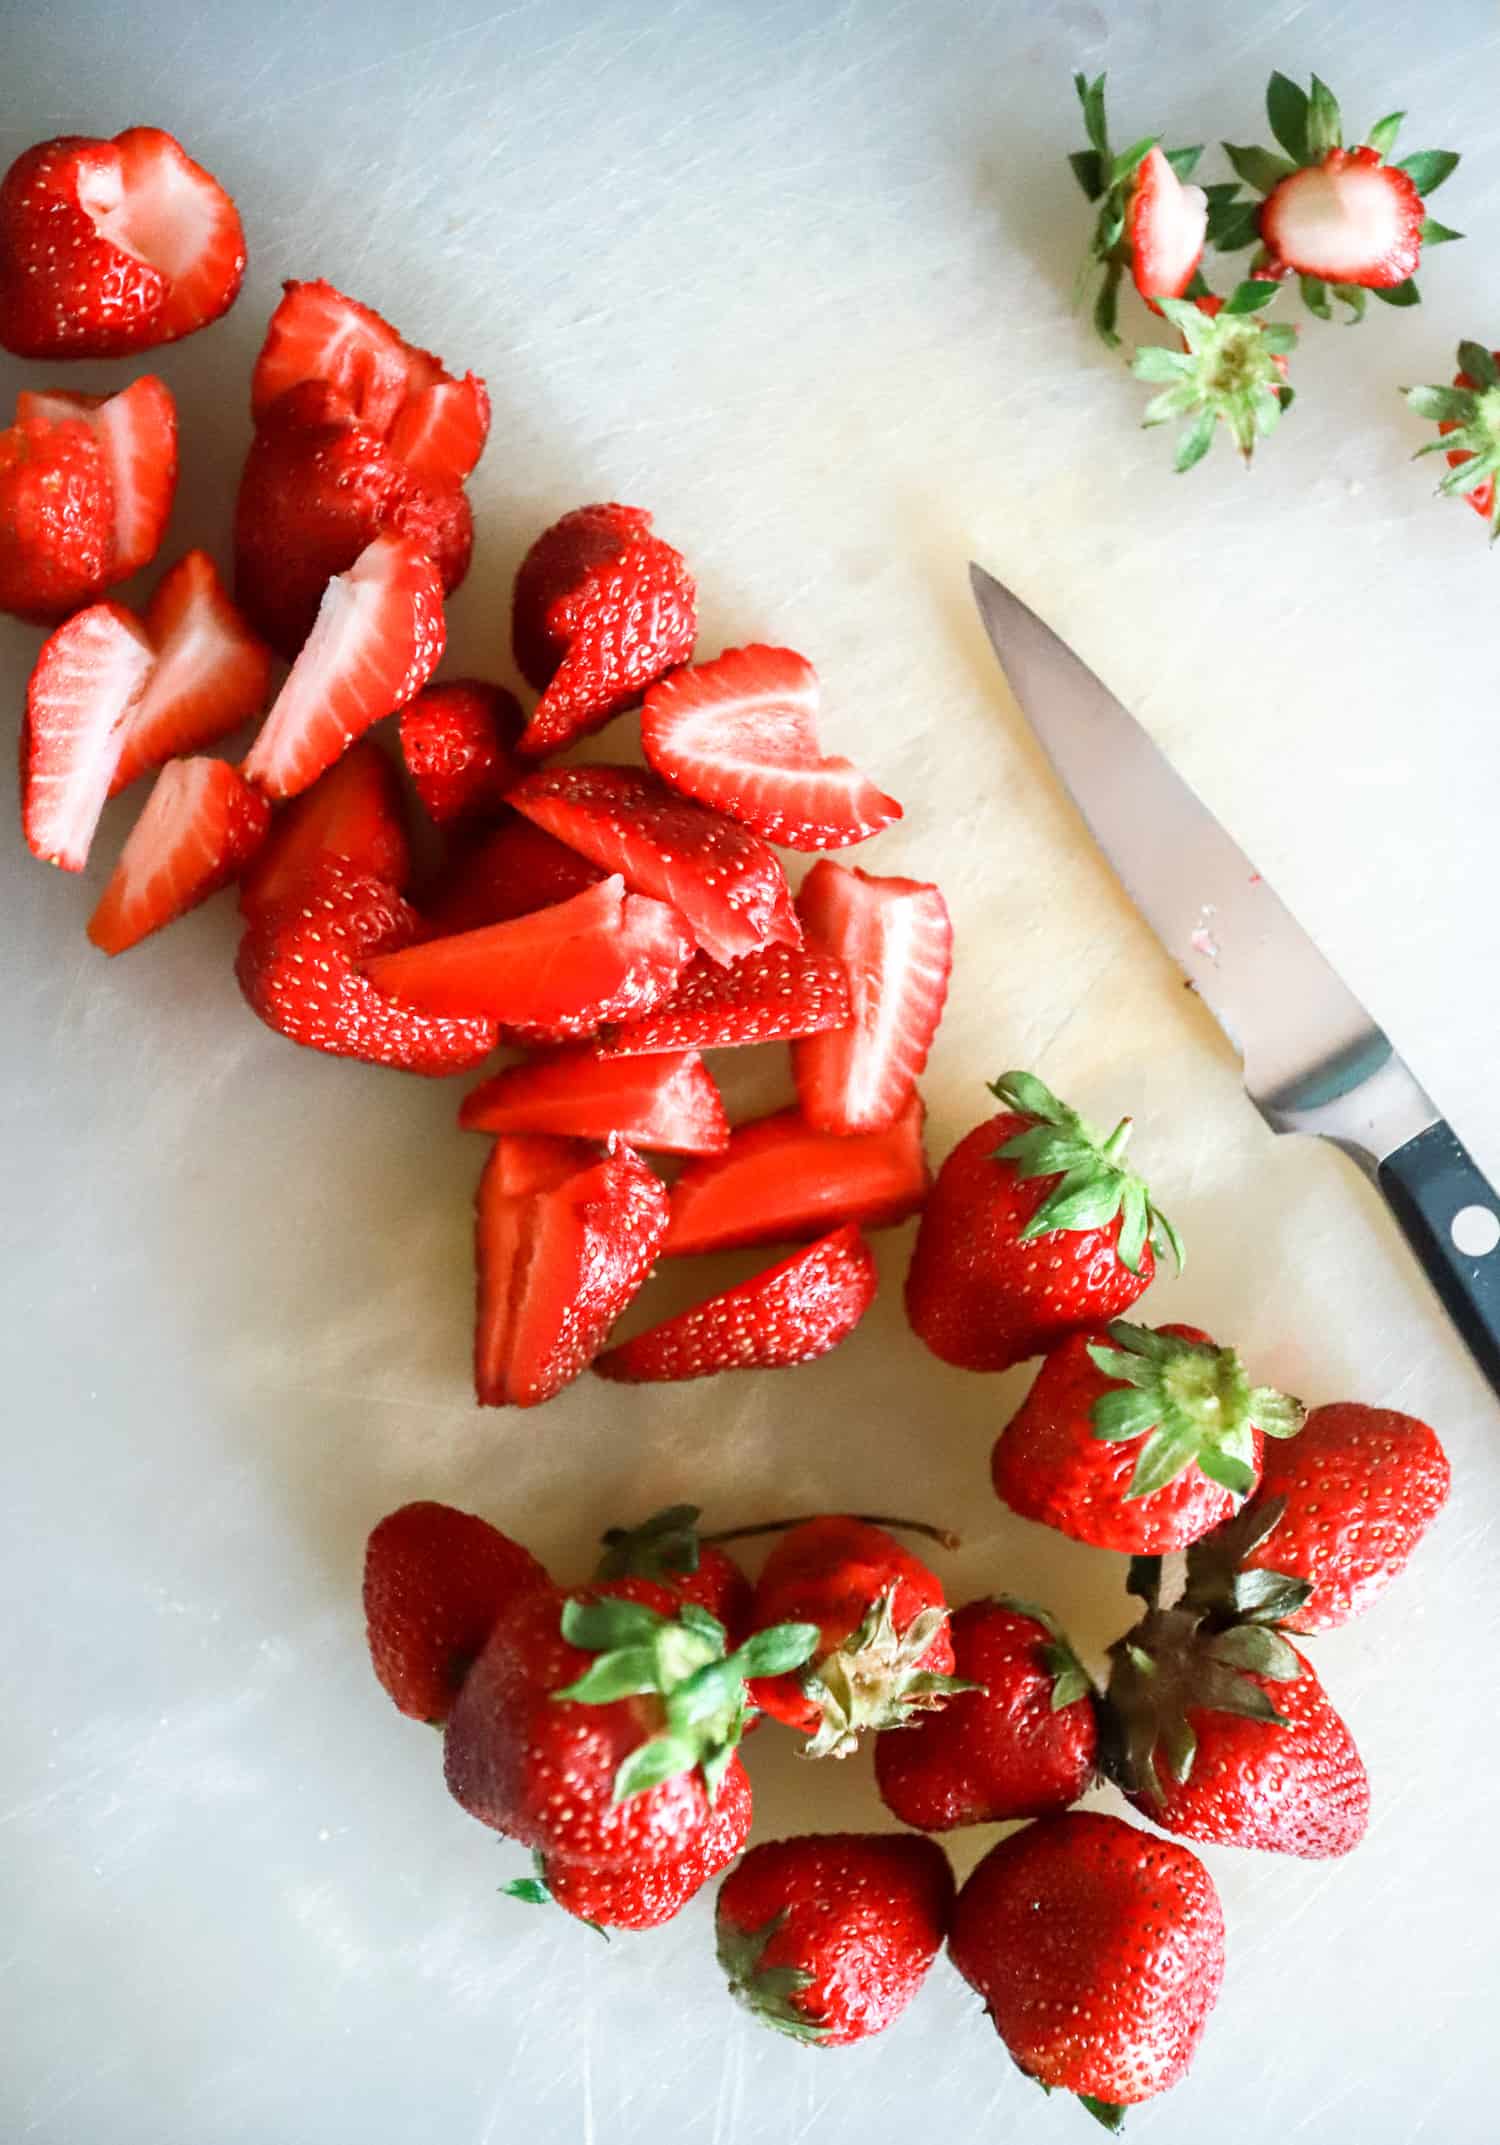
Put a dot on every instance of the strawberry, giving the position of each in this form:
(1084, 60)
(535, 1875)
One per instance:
(1021, 1741)
(108, 247)
(1468, 414)
(563, 1241)
(198, 828)
(1149, 223)
(602, 609)
(667, 1104)
(437, 1581)
(884, 1654)
(137, 434)
(643, 1895)
(510, 872)
(297, 967)
(456, 740)
(1165, 227)
(209, 674)
(1099, 1954)
(1231, 369)
(764, 997)
(788, 1314)
(317, 488)
(740, 734)
(1034, 1229)
(668, 1549)
(726, 882)
(79, 703)
(828, 1937)
(378, 638)
(56, 518)
(353, 815)
(1138, 1438)
(552, 975)
(895, 941)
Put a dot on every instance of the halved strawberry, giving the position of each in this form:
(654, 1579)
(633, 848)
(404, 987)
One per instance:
(896, 941)
(726, 882)
(377, 639)
(510, 872)
(667, 1104)
(765, 997)
(354, 815)
(780, 1179)
(563, 1241)
(1351, 219)
(210, 674)
(56, 517)
(137, 434)
(441, 431)
(79, 703)
(1165, 225)
(457, 739)
(200, 826)
(789, 1314)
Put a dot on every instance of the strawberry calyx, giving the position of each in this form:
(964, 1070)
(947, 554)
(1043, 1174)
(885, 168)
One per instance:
(666, 1545)
(1219, 1583)
(1469, 414)
(768, 1991)
(1231, 370)
(875, 1680)
(1094, 1184)
(1070, 1679)
(1109, 180)
(1190, 1402)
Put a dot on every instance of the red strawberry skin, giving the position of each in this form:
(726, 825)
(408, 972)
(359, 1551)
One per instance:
(668, 1104)
(718, 1585)
(995, 1753)
(646, 1894)
(763, 997)
(510, 872)
(437, 1581)
(353, 815)
(56, 519)
(457, 739)
(210, 672)
(199, 827)
(1098, 1952)
(137, 434)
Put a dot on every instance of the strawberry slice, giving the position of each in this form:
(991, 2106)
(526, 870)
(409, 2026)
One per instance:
(79, 703)
(667, 1104)
(767, 997)
(563, 1241)
(780, 1180)
(510, 872)
(1349, 219)
(896, 942)
(457, 739)
(558, 974)
(137, 434)
(789, 1314)
(211, 673)
(377, 639)
(200, 825)
(441, 430)
(740, 734)
(297, 966)
(1165, 224)
(724, 879)
(353, 815)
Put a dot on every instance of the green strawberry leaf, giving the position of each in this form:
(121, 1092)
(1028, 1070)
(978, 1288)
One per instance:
(1287, 112)
(624, 1673)
(1400, 294)
(600, 1626)
(1231, 1474)
(1315, 296)
(1163, 1457)
(1107, 305)
(777, 1650)
(1443, 405)
(666, 1543)
(1257, 1650)
(1324, 122)
(1088, 170)
(1233, 225)
(1184, 161)
(531, 1889)
(1382, 136)
(1479, 363)
(1428, 168)
(1091, 97)
(647, 1766)
(1129, 161)
(1250, 296)
(1108, 2113)
(1352, 296)
(1259, 167)
(1438, 234)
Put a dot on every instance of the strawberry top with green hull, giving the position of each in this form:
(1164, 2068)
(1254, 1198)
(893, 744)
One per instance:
(1468, 421)
(1231, 370)
(1150, 224)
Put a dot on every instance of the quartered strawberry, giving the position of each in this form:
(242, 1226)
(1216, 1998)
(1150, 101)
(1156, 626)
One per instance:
(510, 872)
(457, 740)
(437, 1581)
(1165, 226)
(668, 1104)
(378, 637)
(788, 1314)
(441, 430)
(564, 1238)
(895, 941)
(780, 1180)
(56, 518)
(197, 830)
(137, 434)
(79, 705)
(740, 734)
(354, 815)
(602, 608)
(764, 997)
(298, 968)
(725, 881)
(210, 672)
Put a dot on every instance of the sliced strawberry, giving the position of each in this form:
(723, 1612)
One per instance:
(559, 973)
(78, 705)
(510, 872)
(441, 431)
(780, 1180)
(178, 217)
(1166, 224)
(297, 969)
(667, 1104)
(724, 879)
(137, 434)
(56, 516)
(211, 673)
(353, 815)
(563, 1241)
(789, 1314)
(378, 638)
(896, 942)
(457, 739)
(765, 997)
(740, 734)
(1350, 219)
(200, 825)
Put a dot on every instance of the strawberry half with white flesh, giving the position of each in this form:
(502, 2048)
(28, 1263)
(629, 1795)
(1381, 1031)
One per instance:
(353, 815)
(765, 997)
(200, 826)
(667, 1104)
(211, 673)
(1150, 224)
(1468, 422)
(137, 434)
(79, 705)
(1165, 227)
(779, 1180)
(1231, 370)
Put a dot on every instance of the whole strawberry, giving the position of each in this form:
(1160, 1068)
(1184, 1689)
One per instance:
(1033, 1230)
(1099, 1953)
(669, 1549)
(436, 1582)
(1019, 1743)
(1138, 1438)
(829, 1936)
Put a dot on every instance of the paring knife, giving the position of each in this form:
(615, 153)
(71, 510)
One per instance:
(1314, 1060)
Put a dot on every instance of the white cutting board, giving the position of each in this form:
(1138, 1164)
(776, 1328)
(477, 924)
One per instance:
(796, 278)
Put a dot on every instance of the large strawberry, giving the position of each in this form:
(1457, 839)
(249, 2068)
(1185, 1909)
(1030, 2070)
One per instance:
(669, 1549)
(56, 518)
(1468, 422)
(1149, 223)
(437, 1581)
(643, 1895)
(1034, 1229)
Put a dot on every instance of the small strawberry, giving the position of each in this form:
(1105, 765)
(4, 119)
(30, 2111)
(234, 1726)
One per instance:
(1021, 1741)
(197, 830)
(80, 701)
(1468, 419)
(437, 1582)
(1149, 223)
(1138, 1438)
(1231, 370)
(56, 518)
(768, 996)
(789, 1314)
(643, 1895)
(828, 1937)
(510, 872)
(353, 815)
(666, 1104)
(209, 672)
(1099, 1953)
(457, 739)
(1034, 1230)
(137, 434)
(669, 1549)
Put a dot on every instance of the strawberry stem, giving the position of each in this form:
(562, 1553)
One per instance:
(943, 1536)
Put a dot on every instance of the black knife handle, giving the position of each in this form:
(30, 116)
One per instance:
(1428, 1184)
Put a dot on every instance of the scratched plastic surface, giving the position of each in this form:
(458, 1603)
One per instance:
(795, 277)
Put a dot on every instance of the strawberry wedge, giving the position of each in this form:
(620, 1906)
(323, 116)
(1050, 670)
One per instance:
(457, 740)
(779, 1180)
(1166, 224)
(211, 672)
(377, 639)
(511, 872)
(79, 704)
(767, 997)
(441, 430)
(666, 1104)
(200, 825)
(353, 814)
(137, 434)
(896, 942)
